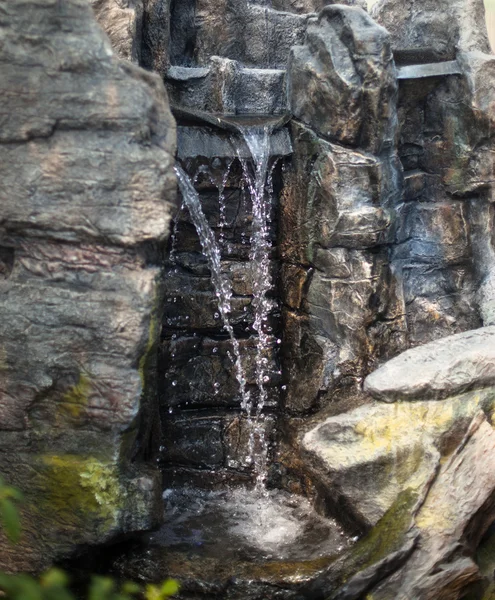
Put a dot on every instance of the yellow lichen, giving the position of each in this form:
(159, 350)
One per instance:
(75, 399)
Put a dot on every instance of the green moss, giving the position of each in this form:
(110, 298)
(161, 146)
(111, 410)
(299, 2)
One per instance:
(386, 537)
(82, 491)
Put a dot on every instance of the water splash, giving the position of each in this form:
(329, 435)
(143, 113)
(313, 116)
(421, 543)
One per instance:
(221, 285)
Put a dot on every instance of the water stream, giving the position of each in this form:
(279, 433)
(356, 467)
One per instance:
(258, 178)
(223, 289)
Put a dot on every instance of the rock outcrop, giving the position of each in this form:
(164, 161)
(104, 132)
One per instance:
(122, 21)
(433, 30)
(441, 368)
(342, 308)
(342, 81)
(86, 151)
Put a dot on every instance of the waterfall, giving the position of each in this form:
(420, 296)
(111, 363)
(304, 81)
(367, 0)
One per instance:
(222, 286)
(258, 178)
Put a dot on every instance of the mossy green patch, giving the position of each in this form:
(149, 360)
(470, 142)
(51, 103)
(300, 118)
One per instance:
(82, 491)
(388, 536)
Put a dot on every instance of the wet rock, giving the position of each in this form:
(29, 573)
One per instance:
(438, 369)
(122, 22)
(431, 31)
(225, 87)
(342, 81)
(87, 184)
(199, 372)
(193, 440)
(368, 456)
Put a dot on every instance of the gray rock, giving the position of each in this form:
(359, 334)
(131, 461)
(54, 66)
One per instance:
(155, 49)
(86, 155)
(438, 369)
(344, 307)
(256, 36)
(308, 6)
(433, 30)
(342, 81)
(122, 22)
(449, 521)
(194, 142)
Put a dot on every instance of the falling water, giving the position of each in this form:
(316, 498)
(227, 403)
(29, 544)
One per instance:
(258, 178)
(258, 142)
(222, 287)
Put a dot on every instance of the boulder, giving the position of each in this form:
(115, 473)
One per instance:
(439, 369)
(86, 192)
(422, 547)
(342, 80)
(433, 30)
(456, 513)
(367, 457)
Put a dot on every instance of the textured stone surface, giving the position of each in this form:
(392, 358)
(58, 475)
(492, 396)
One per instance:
(368, 456)
(453, 518)
(433, 30)
(342, 81)
(256, 36)
(198, 384)
(225, 87)
(308, 6)
(86, 184)
(343, 307)
(440, 368)
(122, 21)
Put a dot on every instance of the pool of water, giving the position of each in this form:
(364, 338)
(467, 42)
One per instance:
(247, 525)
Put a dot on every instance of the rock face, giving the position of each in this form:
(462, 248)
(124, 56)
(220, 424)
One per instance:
(345, 64)
(86, 190)
(342, 304)
(368, 456)
(123, 23)
(442, 368)
(433, 30)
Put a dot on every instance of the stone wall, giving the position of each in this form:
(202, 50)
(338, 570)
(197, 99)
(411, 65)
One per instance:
(86, 150)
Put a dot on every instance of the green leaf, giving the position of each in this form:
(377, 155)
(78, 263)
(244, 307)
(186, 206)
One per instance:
(129, 587)
(10, 519)
(101, 588)
(170, 588)
(54, 578)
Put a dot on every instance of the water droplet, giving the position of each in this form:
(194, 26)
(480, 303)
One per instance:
(284, 387)
(174, 383)
(215, 350)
